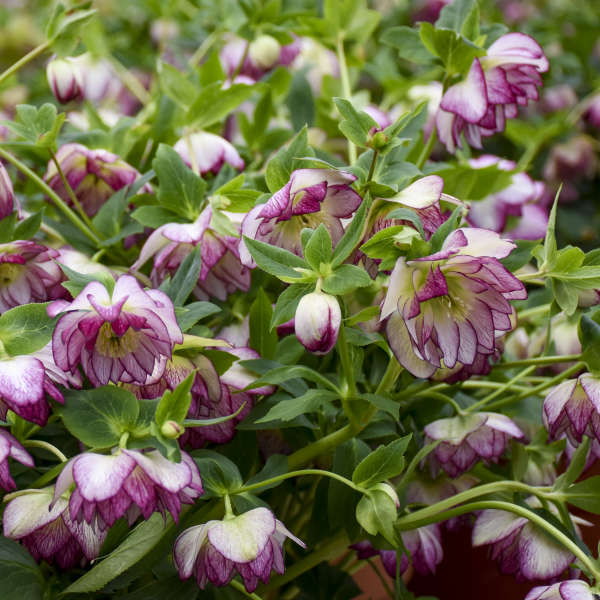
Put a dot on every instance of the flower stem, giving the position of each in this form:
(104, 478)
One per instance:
(372, 167)
(204, 47)
(322, 446)
(46, 446)
(130, 81)
(443, 398)
(240, 588)
(426, 152)
(72, 216)
(24, 60)
(392, 372)
(533, 312)
(540, 361)
(346, 89)
(300, 473)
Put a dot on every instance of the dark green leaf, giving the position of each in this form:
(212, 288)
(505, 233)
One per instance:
(312, 401)
(408, 42)
(384, 463)
(589, 336)
(263, 339)
(444, 230)
(352, 235)
(174, 405)
(154, 216)
(219, 474)
(276, 261)
(287, 302)
(26, 328)
(186, 277)
(585, 494)
(26, 229)
(20, 576)
(190, 314)
(318, 249)
(346, 279)
(285, 161)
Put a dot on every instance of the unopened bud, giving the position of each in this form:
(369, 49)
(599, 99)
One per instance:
(317, 322)
(7, 197)
(171, 429)
(264, 51)
(64, 79)
(378, 141)
(386, 488)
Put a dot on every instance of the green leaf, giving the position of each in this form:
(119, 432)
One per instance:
(276, 261)
(550, 247)
(377, 513)
(190, 314)
(575, 468)
(154, 216)
(585, 494)
(20, 576)
(26, 328)
(461, 16)
(287, 302)
(285, 161)
(107, 220)
(408, 42)
(352, 235)
(139, 543)
(214, 103)
(285, 373)
(312, 401)
(27, 228)
(65, 23)
(180, 189)
(300, 102)
(186, 278)
(98, 417)
(318, 249)
(384, 463)
(176, 85)
(346, 279)
(37, 126)
(445, 229)
(263, 339)
(220, 475)
(174, 405)
(468, 183)
(521, 255)
(277, 464)
(355, 125)
(7, 228)
(387, 244)
(77, 281)
(589, 336)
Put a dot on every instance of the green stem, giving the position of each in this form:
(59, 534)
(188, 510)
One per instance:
(347, 367)
(392, 372)
(46, 446)
(24, 60)
(533, 312)
(426, 152)
(530, 276)
(372, 167)
(443, 398)
(131, 81)
(346, 88)
(502, 388)
(300, 473)
(204, 47)
(322, 446)
(72, 216)
(407, 521)
(587, 561)
(240, 588)
(540, 361)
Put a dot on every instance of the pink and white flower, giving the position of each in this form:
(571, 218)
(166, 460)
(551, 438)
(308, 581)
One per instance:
(446, 309)
(127, 336)
(206, 152)
(317, 322)
(127, 484)
(28, 274)
(221, 272)
(467, 439)
(94, 175)
(311, 197)
(572, 589)
(10, 447)
(65, 79)
(251, 544)
(7, 196)
(47, 530)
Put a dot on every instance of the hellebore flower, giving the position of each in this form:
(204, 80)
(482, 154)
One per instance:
(573, 408)
(10, 446)
(447, 308)
(522, 548)
(7, 196)
(94, 175)
(467, 439)
(46, 529)
(507, 77)
(317, 322)
(572, 589)
(221, 272)
(251, 544)
(519, 199)
(128, 483)
(316, 61)
(127, 337)
(65, 79)
(592, 114)
(28, 274)
(206, 152)
(311, 197)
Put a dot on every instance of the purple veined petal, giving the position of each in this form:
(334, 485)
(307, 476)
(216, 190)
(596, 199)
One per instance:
(187, 547)
(498, 88)
(22, 382)
(94, 289)
(396, 285)
(241, 539)
(341, 201)
(278, 206)
(250, 226)
(89, 538)
(494, 525)
(434, 286)
(489, 214)
(64, 480)
(468, 98)
(455, 429)
(306, 178)
(155, 242)
(473, 241)
(28, 512)
(591, 387)
(503, 423)
(99, 477)
(171, 476)
(555, 402)
(517, 48)
(10, 446)
(422, 193)
(446, 127)
(541, 557)
(532, 225)
(282, 529)
(308, 200)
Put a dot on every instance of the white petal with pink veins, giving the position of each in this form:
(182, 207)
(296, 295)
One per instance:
(99, 477)
(468, 98)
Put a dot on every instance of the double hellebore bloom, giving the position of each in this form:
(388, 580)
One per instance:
(573, 408)
(206, 152)
(28, 274)
(9, 446)
(94, 175)
(65, 79)
(507, 77)
(467, 439)
(572, 589)
(317, 322)
(445, 310)
(127, 483)
(221, 272)
(522, 548)
(7, 196)
(311, 197)
(251, 544)
(127, 336)
(47, 530)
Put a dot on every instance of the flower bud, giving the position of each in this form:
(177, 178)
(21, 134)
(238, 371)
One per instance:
(264, 51)
(64, 79)
(7, 196)
(171, 429)
(317, 322)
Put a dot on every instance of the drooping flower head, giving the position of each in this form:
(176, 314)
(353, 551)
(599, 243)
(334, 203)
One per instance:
(507, 77)
(7, 196)
(311, 197)
(523, 549)
(206, 152)
(468, 439)
(28, 273)
(572, 408)
(251, 544)
(128, 483)
(221, 272)
(572, 589)
(65, 79)
(317, 322)
(47, 530)
(10, 447)
(127, 336)
(444, 310)
(94, 175)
